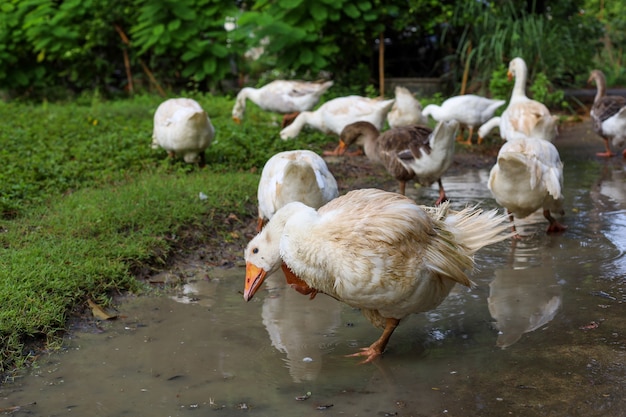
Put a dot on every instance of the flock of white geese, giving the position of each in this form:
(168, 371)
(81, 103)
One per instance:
(376, 250)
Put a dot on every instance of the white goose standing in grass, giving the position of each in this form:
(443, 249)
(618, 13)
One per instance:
(408, 153)
(373, 250)
(406, 110)
(182, 127)
(469, 110)
(523, 117)
(527, 176)
(281, 96)
(332, 116)
(299, 175)
(608, 115)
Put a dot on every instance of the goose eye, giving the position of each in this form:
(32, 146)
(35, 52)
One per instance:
(255, 250)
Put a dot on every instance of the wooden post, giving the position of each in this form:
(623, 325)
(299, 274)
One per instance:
(381, 64)
(129, 75)
(466, 69)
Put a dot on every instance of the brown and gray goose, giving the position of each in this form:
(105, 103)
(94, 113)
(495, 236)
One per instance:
(608, 115)
(408, 153)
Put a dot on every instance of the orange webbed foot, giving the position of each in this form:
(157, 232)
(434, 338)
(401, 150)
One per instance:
(371, 353)
(556, 227)
(607, 154)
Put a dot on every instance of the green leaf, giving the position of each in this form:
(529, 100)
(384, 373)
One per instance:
(320, 62)
(306, 56)
(158, 30)
(184, 12)
(364, 6)
(173, 25)
(189, 55)
(219, 50)
(7, 7)
(370, 17)
(209, 65)
(319, 12)
(352, 11)
(289, 4)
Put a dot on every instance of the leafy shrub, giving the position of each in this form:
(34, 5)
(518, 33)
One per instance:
(492, 36)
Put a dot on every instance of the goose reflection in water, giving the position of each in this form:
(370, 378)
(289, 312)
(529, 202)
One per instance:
(303, 329)
(523, 297)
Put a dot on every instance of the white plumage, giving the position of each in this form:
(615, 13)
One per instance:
(182, 127)
(280, 96)
(406, 110)
(527, 176)
(332, 116)
(373, 250)
(299, 175)
(523, 117)
(469, 110)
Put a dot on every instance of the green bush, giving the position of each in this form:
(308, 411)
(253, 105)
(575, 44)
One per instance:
(560, 46)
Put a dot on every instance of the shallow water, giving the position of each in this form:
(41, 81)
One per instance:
(542, 334)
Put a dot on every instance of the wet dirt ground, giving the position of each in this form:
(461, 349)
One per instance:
(542, 334)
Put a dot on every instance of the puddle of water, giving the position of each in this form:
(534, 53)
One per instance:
(541, 335)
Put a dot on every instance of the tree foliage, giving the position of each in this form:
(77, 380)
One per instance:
(51, 47)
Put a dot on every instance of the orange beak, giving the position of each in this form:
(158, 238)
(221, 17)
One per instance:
(509, 76)
(237, 120)
(342, 148)
(254, 278)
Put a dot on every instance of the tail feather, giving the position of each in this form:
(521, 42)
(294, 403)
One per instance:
(475, 228)
(460, 235)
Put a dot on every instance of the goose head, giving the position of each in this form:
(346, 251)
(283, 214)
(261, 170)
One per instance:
(359, 133)
(517, 68)
(262, 255)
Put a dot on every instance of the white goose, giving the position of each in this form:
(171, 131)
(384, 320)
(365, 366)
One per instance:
(281, 96)
(524, 117)
(299, 175)
(469, 110)
(182, 127)
(406, 110)
(527, 176)
(608, 115)
(332, 116)
(409, 152)
(373, 250)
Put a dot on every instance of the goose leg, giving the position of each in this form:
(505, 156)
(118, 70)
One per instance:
(516, 236)
(288, 119)
(402, 187)
(608, 152)
(442, 194)
(555, 226)
(460, 137)
(377, 348)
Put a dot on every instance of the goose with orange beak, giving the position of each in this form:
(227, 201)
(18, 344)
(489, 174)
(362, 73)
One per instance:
(373, 250)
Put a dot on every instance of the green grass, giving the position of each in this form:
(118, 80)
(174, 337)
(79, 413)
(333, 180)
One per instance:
(84, 200)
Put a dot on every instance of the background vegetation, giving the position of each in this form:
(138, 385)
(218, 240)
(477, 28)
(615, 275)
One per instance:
(49, 48)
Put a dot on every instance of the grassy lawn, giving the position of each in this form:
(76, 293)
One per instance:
(84, 200)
